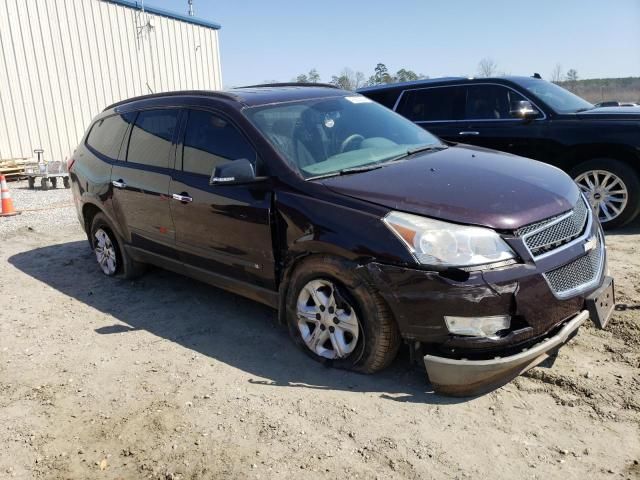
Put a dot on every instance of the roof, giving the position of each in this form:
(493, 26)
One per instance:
(425, 81)
(430, 81)
(249, 96)
(166, 13)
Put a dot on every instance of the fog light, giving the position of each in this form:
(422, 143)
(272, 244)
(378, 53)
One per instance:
(477, 326)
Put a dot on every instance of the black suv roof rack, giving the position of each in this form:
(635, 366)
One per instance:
(292, 84)
(202, 93)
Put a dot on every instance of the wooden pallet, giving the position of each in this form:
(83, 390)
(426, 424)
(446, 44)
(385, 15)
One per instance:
(12, 173)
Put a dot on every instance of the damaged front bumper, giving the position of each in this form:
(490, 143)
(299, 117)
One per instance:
(463, 377)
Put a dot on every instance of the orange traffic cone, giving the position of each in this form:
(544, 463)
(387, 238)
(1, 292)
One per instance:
(7, 203)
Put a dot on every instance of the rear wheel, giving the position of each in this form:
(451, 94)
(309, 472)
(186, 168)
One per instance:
(111, 257)
(612, 189)
(44, 184)
(339, 320)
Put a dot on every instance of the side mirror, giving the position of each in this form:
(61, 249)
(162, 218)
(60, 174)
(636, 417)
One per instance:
(524, 110)
(234, 172)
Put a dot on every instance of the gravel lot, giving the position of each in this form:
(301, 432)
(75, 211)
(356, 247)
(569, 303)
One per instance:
(168, 378)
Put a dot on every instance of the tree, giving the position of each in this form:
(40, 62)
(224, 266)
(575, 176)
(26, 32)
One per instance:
(312, 77)
(572, 75)
(557, 75)
(572, 80)
(404, 75)
(487, 67)
(348, 80)
(380, 76)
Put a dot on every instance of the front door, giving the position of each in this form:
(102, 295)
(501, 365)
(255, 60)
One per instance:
(141, 183)
(224, 229)
(490, 121)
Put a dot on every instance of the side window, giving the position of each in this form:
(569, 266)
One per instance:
(107, 134)
(490, 102)
(152, 136)
(210, 141)
(432, 104)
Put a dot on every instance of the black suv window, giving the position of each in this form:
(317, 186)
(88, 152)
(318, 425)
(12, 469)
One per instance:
(210, 141)
(107, 134)
(432, 104)
(152, 136)
(490, 102)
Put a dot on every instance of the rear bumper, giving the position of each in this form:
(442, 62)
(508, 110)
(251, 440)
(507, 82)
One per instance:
(473, 377)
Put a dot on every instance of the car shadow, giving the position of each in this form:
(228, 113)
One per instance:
(213, 323)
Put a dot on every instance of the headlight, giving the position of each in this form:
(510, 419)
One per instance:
(433, 242)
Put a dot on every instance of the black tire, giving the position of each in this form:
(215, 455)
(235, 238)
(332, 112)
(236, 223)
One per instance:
(66, 182)
(627, 175)
(32, 183)
(54, 182)
(125, 265)
(44, 184)
(379, 339)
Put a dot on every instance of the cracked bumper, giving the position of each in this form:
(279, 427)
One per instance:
(463, 378)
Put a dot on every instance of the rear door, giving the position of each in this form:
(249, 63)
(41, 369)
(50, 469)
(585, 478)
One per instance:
(141, 182)
(489, 122)
(436, 109)
(224, 229)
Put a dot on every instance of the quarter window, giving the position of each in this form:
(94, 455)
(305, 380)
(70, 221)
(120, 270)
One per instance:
(490, 102)
(107, 134)
(211, 141)
(152, 136)
(432, 104)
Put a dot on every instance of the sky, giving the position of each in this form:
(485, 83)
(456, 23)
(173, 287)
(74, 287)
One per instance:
(276, 40)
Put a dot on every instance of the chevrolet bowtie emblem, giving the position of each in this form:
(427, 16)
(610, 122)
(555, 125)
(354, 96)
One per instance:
(590, 244)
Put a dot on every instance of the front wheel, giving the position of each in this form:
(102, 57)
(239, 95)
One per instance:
(612, 189)
(339, 320)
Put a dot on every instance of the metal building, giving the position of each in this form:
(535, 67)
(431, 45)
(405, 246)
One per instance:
(63, 61)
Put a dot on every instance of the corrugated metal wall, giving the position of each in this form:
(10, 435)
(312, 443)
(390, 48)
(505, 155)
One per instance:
(63, 61)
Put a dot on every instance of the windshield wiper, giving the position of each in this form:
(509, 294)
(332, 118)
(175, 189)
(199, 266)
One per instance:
(346, 171)
(413, 151)
(586, 109)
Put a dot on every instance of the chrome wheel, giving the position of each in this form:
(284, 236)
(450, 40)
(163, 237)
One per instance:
(328, 324)
(606, 192)
(105, 252)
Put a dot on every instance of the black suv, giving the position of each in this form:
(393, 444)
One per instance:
(527, 116)
(361, 228)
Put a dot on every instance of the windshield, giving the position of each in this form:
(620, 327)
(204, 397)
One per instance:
(559, 99)
(326, 136)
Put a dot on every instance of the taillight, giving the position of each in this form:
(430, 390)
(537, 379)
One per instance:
(70, 163)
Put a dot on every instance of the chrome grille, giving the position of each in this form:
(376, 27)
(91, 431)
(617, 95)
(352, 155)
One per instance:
(549, 234)
(578, 275)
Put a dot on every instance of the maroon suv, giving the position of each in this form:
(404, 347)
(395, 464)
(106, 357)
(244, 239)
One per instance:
(361, 228)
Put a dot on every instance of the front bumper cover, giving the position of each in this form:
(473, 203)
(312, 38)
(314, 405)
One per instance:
(462, 378)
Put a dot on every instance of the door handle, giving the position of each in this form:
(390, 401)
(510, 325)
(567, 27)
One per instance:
(466, 132)
(182, 198)
(119, 184)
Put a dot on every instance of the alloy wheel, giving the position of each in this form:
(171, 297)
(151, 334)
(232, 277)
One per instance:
(105, 252)
(606, 192)
(327, 323)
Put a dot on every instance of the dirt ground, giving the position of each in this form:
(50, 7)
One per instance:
(167, 378)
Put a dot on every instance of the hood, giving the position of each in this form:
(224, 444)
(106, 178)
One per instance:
(467, 185)
(613, 113)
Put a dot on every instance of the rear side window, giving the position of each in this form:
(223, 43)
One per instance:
(210, 141)
(107, 134)
(490, 102)
(432, 104)
(152, 137)
(387, 98)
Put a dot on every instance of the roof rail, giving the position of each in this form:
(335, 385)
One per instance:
(292, 84)
(201, 93)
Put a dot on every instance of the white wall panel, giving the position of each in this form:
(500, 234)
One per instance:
(63, 61)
